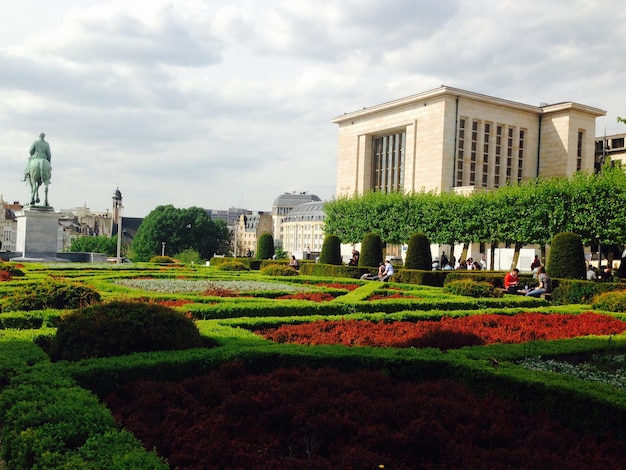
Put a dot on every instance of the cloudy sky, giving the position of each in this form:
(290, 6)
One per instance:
(222, 104)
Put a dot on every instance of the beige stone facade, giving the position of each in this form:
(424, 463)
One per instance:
(450, 139)
(249, 229)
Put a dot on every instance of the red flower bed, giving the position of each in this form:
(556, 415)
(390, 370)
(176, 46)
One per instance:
(5, 275)
(221, 292)
(327, 419)
(337, 285)
(314, 296)
(448, 332)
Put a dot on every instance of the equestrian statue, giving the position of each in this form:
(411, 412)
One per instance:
(38, 169)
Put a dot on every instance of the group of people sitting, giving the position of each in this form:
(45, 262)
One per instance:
(385, 271)
(605, 274)
(513, 286)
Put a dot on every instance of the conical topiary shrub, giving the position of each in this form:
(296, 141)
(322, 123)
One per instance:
(418, 254)
(265, 246)
(567, 257)
(331, 250)
(371, 251)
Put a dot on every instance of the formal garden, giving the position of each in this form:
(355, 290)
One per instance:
(251, 364)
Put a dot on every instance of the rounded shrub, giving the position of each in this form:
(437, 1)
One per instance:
(279, 270)
(331, 250)
(53, 294)
(371, 250)
(418, 255)
(265, 246)
(567, 257)
(119, 328)
(233, 266)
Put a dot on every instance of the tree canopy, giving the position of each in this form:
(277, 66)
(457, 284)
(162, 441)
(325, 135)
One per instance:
(180, 230)
(532, 212)
(97, 244)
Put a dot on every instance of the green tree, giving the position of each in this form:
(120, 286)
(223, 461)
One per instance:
(265, 246)
(97, 244)
(331, 250)
(371, 250)
(418, 255)
(567, 257)
(179, 229)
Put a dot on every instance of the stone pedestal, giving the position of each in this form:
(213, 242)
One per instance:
(37, 233)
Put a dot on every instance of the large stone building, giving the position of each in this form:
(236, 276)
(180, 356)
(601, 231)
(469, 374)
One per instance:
(450, 139)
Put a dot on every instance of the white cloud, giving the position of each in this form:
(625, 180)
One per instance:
(219, 104)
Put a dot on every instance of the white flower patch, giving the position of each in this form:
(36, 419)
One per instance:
(173, 286)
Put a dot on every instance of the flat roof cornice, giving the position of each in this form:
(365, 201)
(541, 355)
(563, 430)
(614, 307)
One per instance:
(457, 92)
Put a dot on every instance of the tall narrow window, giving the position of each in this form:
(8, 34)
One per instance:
(486, 144)
(388, 162)
(498, 157)
(460, 153)
(509, 153)
(520, 154)
(473, 153)
(579, 150)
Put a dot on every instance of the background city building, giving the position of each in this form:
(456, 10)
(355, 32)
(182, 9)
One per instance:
(610, 147)
(303, 230)
(248, 230)
(282, 206)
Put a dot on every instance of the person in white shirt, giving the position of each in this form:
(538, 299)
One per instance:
(388, 271)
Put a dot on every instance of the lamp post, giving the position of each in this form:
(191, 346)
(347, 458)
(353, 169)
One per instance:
(162, 248)
(119, 233)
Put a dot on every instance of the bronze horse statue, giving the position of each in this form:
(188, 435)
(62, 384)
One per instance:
(38, 170)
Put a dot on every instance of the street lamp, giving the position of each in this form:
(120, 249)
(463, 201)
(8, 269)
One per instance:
(162, 248)
(119, 233)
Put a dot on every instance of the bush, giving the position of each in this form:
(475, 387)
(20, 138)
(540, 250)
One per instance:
(189, 256)
(279, 270)
(610, 301)
(120, 328)
(371, 250)
(265, 246)
(54, 294)
(471, 288)
(162, 260)
(418, 254)
(569, 291)
(331, 250)
(233, 266)
(567, 257)
(10, 270)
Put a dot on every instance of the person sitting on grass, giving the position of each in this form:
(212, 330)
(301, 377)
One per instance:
(545, 283)
(388, 271)
(511, 281)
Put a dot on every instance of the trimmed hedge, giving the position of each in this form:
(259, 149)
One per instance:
(570, 291)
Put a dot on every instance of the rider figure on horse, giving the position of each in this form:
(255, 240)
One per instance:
(38, 169)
